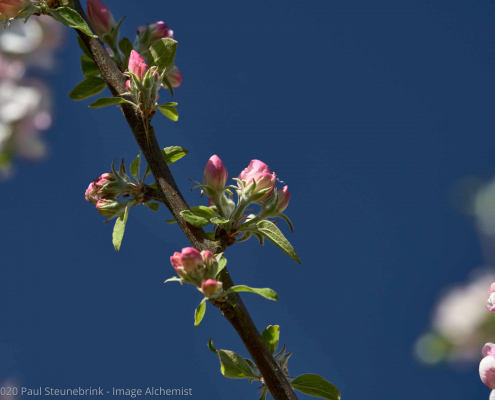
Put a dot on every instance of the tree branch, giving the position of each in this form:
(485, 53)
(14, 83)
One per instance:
(233, 309)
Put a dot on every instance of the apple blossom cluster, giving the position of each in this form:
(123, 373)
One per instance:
(115, 192)
(255, 185)
(25, 102)
(198, 269)
(487, 364)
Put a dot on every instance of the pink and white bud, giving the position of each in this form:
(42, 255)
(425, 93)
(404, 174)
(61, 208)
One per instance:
(158, 30)
(491, 289)
(100, 17)
(191, 259)
(487, 366)
(215, 174)
(283, 199)
(211, 288)
(91, 194)
(259, 172)
(208, 257)
(175, 260)
(10, 8)
(490, 304)
(254, 167)
(137, 65)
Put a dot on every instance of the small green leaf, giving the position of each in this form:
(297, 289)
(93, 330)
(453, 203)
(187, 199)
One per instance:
(174, 279)
(219, 220)
(109, 101)
(203, 211)
(194, 220)
(153, 206)
(136, 167)
(87, 88)
(222, 262)
(162, 53)
(171, 221)
(233, 366)
(265, 292)
(273, 234)
(271, 336)
(171, 104)
(89, 67)
(84, 48)
(211, 347)
(200, 312)
(169, 111)
(170, 154)
(168, 84)
(119, 228)
(263, 395)
(211, 235)
(315, 386)
(71, 19)
(125, 47)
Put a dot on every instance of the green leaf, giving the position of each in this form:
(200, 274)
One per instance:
(109, 101)
(168, 84)
(174, 279)
(211, 347)
(71, 19)
(125, 47)
(265, 292)
(263, 395)
(286, 219)
(222, 262)
(203, 211)
(315, 386)
(119, 228)
(87, 88)
(219, 220)
(211, 235)
(271, 336)
(153, 206)
(171, 104)
(162, 53)
(83, 47)
(171, 154)
(169, 111)
(89, 67)
(273, 234)
(136, 167)
(233, 366)
(194, 220)
(200, 312)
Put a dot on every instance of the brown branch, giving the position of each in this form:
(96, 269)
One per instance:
(234, 309)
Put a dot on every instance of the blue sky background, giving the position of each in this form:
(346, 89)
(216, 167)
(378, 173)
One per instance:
(370, 111)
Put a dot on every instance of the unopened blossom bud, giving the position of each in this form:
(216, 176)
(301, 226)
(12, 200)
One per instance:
(210, 263)
(283, 199)
(215, 174)
(491, 289)
(259, 173)
(487, 366)
(211, 288)
(157, 30)
(10, 8)
(91, 194)
(490, 304)
(110, 186)
(112, 208)
(100, 17)
(191, 259)
(137, 65)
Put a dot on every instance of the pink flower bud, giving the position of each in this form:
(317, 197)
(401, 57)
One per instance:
(174, 76)
(10, 8)
(491, 289)
(158, 30)
(490, 304)
(215, 174)
(100, 17)
(488, 349)
(258, 172)
(487, 370)
(191, 259)
(211, 288)
(91, 194)
(175, 260)
(283, 199)
(137, 65)
(208, 257)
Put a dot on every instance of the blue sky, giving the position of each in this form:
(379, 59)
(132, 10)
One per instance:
(369, 111)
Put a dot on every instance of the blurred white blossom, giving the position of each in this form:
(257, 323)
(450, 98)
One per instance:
(25, 103)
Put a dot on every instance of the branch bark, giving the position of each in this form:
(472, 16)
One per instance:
(233, 309)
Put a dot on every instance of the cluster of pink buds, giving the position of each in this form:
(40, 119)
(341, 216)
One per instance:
(198, 269)
(149, 34)
(113, 192)
(255, 184)
(487, 364)
(144, 83)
